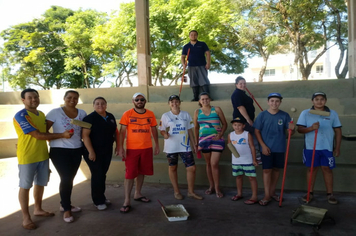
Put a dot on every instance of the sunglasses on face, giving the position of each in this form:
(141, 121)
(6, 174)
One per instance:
(140, 99)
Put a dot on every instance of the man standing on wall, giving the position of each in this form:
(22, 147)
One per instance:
(139, 123)
(32, 154)
(198, 62)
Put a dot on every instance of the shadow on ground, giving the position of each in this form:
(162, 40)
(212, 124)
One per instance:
(211, 216)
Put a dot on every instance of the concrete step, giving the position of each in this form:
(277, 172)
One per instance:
(8, 147)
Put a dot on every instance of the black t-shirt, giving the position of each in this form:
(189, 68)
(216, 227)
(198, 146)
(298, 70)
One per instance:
(239, 98)
(103, 130)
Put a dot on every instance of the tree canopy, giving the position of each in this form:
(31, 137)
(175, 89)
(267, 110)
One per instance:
(84, 48)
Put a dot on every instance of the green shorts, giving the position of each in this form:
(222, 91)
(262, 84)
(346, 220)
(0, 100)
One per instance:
(249, 170)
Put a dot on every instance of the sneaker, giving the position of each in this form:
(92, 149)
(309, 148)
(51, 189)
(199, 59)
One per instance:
(107, 202)
(178, 196)
(304, 198)
(332, 200)
(74, 209)
(195, 196)
(101, 207)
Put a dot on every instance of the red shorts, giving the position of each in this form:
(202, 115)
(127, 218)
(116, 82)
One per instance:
(138, 162)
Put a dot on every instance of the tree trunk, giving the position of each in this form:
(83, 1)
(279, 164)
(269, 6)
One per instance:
(263, 68)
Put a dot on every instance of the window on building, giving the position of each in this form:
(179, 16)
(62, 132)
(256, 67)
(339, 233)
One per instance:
(319, 69)
(270, 72)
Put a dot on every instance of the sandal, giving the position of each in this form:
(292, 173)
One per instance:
(209, 191)
(250, 202)
(236, 197)
(219, 195)
(264, 202)
(276, 198)
(125, 209)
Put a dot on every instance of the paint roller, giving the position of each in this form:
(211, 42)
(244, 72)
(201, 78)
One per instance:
(320, 113)
(233, 150)
(80, 123)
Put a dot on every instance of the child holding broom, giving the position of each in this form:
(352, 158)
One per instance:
(240, 143)
(325, 151)
(270, 129)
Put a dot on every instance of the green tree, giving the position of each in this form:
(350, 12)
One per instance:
(257, 31)
(170, 23)
(307, 24)
(78, 36)
(115, 44)
(33, 51)
(339, 29)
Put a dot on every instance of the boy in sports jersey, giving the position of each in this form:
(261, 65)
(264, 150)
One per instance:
(32, 154)
(270, 129)
(139, 123)
(246, 162)
(325, 152)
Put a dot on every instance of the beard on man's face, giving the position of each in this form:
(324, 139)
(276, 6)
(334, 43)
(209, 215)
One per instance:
(139, 105)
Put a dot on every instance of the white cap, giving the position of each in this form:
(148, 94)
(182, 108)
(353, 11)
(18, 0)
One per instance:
(138, 94)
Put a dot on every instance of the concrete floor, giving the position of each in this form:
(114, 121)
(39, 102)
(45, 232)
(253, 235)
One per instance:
(211, 216)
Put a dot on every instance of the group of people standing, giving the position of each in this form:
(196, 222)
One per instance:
(260, 141)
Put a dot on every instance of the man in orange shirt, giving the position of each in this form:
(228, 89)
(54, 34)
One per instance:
(139, 123)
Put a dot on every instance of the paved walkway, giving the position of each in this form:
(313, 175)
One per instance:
(211, 216)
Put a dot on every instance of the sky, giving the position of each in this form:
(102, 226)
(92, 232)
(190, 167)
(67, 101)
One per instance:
(13, 12)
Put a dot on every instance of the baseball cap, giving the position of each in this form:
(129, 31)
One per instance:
(318, 94)
(238, 119)
(138, 94)
(274, 95)
(173, 97)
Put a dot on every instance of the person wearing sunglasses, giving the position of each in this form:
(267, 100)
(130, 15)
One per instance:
(137, 125)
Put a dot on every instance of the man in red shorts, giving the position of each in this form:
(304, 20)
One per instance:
(139, 123)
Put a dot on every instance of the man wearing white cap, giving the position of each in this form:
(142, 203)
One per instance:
(138, 123)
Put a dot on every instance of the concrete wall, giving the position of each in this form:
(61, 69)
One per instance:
(297, 94)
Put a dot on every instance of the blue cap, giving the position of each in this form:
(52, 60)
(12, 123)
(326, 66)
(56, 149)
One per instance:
(274, 95)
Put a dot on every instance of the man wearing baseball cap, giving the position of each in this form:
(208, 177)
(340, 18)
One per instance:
(138, 123)
(270, 126)
(329, 128)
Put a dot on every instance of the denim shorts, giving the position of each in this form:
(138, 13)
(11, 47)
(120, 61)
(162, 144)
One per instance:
(37, 173)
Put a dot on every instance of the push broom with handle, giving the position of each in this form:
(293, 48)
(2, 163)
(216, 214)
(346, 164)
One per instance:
(185, 65)
(285, 164)
(254, 99)
(320, 113)
(312, 166)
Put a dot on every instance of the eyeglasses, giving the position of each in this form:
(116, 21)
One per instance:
(140, 99)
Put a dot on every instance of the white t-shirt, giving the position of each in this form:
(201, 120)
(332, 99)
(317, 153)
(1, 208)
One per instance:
(179, 125)
(61, 123)
(240, 142)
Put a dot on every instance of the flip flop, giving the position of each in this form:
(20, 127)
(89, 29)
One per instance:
(276, 198)
(209, 191)
(236, 197)
(250, 202)
(219, 195)
(125, 209)
(46, 214)
(264, 202)
(142, 199)
(30, 226)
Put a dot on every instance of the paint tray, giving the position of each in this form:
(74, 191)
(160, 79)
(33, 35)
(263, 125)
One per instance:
(309, 215)
(175, 212)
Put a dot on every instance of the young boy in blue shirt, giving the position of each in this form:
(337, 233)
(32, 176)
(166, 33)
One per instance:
(270, 130)
(325, 152)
